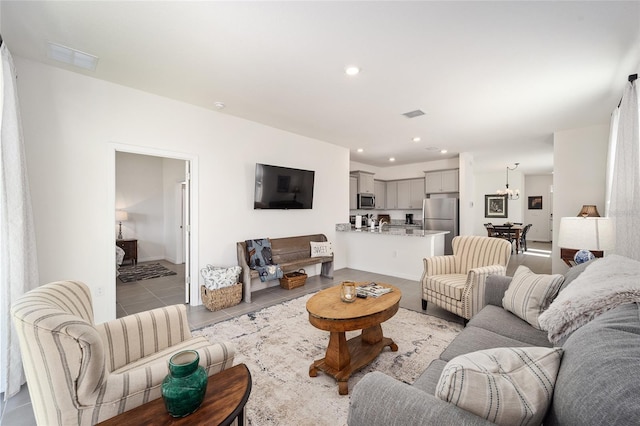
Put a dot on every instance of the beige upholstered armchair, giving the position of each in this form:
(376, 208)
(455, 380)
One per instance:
(80, 373)
(456, 282)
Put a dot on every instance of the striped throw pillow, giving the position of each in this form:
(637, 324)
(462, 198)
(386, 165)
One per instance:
(529, 294)
(507, 386)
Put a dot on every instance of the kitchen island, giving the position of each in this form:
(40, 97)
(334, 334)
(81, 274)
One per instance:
(394, 251)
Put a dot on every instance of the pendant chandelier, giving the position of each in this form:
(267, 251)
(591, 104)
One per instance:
(511, 194)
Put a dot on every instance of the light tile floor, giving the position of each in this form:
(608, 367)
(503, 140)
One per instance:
(144, 295)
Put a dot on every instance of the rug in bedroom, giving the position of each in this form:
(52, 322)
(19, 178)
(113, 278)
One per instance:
(278, 344)
(145, 271)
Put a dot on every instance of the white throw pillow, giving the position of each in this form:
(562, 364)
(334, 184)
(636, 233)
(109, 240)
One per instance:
(507, 386)
(321, 249)
(529, 294)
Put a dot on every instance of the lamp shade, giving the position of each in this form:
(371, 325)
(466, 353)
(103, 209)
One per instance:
(121, 216)
(588, 233)
(588, 210)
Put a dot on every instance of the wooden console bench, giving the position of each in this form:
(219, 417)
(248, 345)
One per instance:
(291, 253)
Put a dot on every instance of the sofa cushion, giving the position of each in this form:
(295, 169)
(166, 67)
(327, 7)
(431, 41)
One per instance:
(529, 294)
(503, 322)
(599, 378)
(507, 386)
(451, 285)
(475, 339)
(429, 378)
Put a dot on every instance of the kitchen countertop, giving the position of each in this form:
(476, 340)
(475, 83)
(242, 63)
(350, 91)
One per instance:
(393, 230)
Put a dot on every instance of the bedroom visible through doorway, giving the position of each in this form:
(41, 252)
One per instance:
(154, 193)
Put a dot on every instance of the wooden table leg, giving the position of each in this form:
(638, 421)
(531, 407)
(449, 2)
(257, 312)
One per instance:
(372, 335)
(337, 355)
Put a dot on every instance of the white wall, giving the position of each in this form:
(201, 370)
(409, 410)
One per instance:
(69, 122)
(539, 185)
(488, 184)
(580, 162)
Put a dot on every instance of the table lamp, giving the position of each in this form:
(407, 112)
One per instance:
(586, 234)
(121, 216)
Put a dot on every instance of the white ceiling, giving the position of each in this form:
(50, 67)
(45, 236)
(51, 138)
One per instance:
(495, 79)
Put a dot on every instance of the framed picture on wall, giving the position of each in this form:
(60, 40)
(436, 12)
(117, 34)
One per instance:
(535, 202)
(495, 206)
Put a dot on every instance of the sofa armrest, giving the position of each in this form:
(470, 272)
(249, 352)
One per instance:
(136, 336)
(380, 400)
(474, 291)
(494, 289)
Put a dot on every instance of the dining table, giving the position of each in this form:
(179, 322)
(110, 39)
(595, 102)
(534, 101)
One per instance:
(509, 232)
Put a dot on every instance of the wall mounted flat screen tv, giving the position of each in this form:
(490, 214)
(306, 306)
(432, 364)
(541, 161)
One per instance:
(283, 188)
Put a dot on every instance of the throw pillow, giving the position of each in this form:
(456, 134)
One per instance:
(530, 294)
(507, 386)
(321, 249)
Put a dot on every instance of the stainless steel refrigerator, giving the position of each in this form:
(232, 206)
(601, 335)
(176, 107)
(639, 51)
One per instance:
(441, 214)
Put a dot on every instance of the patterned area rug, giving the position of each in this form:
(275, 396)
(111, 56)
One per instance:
(143, 272)
(278, 345)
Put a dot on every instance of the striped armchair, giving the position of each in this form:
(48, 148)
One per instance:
(80, 373)
(456, 282)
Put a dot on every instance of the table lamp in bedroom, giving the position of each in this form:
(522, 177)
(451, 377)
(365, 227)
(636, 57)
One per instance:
(121, 216)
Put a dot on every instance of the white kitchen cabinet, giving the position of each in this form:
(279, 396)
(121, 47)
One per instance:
(404, 194)
(417, 193)
(353, 192)
(410, 194)
(365, 182)
(392, 195)
(380, 191)
(441, 181)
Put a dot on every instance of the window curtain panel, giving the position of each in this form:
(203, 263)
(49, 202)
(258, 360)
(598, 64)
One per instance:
(18, 263)
(623, 174)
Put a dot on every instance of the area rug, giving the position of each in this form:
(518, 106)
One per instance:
(278, 345)
(143, 272)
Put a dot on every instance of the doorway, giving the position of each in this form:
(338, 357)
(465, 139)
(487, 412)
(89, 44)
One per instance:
(160, 217)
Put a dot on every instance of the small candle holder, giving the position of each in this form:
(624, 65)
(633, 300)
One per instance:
(348, 291)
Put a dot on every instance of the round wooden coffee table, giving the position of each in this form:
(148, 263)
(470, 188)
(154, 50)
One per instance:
(343, 358)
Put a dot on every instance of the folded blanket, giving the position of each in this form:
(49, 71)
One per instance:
(269, 272)
(261, 259)
(603, 285)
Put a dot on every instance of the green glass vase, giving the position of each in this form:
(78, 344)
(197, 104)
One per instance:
(184, 387)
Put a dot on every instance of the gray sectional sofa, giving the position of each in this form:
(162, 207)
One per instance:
(598, 381)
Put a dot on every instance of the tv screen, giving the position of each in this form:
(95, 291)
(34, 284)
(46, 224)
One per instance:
(283, 188)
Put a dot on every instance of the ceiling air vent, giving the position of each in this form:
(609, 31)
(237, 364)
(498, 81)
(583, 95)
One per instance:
(413, 114)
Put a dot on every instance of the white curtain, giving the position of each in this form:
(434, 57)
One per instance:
(623, 174)
(18, 263)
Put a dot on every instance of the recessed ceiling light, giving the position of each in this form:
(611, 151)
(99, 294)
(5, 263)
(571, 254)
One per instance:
(352, 70)
(392, 159)
(443, 151)
(360, 150)
(71, 56)
(416, 139)
(219, 105)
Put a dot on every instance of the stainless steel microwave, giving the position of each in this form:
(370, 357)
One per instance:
(366, 201)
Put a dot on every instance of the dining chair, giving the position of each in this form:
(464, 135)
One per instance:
(523, 237)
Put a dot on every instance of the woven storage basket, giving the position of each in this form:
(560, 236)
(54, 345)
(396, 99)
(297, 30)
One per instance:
(293, 279)
(221, 298)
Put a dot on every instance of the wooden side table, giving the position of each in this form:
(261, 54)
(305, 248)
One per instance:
(567, 255)
(130, 248)
(227, 394)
